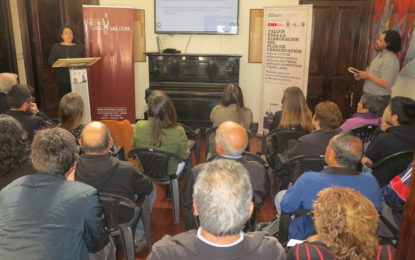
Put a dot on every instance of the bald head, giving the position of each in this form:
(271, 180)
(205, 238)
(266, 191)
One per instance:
(7, 80)
(231, 139)
(344, 150)
(95, 138)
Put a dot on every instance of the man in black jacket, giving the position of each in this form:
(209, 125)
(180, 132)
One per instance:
(231, 140)
(98, 168)
(24, 109)
(396, 135)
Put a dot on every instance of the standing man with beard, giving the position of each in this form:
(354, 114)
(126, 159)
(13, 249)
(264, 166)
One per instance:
(382, 72)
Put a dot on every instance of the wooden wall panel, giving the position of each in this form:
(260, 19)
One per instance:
(340, 39)
(8, 61)
(40, 30)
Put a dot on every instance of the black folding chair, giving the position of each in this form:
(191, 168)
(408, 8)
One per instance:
(366, 133)
(385, 169)
(124, 232)
(303, 163)
(276, 144)
(155, 164)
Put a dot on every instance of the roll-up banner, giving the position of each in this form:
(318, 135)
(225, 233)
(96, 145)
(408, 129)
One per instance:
(285, 58)
(109, 35)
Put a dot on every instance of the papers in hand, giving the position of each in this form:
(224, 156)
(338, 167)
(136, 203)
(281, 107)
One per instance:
(180, 167)
(294, 242)
(353, 70)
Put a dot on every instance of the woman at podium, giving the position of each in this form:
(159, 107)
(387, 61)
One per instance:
(68, 47)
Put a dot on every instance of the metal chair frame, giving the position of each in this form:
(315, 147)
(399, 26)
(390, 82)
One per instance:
(395, 163)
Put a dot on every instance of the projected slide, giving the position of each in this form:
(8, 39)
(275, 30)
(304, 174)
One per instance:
(197, 16)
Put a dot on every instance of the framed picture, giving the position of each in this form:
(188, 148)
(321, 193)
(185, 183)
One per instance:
(139, 36)
(256, 24)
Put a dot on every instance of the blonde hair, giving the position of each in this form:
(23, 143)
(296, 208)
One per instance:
(295, 111)
(346, 222)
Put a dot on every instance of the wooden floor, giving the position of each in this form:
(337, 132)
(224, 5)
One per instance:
(161, 216)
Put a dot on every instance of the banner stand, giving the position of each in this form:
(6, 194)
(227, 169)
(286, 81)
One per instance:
(285, 57)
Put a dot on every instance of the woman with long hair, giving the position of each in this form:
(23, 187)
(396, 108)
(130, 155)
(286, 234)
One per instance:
(14, 151)
(294, 111)
(232, 108)
(346, 224)
(161, 130)
(71, 113)
(67, 47)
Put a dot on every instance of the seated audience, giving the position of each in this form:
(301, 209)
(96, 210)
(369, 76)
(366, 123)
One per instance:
(342, 157)
(396, 135)
(23, 108)
(294, 111)
(14, 151)
(45, 216)
(232, 108)
(71, 113)
(395, 195)
(231, 141)
(368, 111)
(223, 201)
(161, 130)
(7, 80)
(98, 168)
(345, 222)
(326, 121)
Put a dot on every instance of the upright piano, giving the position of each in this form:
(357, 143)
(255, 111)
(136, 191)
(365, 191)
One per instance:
(194, 82)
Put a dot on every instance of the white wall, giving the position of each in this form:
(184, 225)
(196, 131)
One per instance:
(250, 75)
(405, 86)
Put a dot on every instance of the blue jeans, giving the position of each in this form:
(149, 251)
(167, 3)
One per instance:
(139, 231)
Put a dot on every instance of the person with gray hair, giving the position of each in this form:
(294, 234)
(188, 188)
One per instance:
(231, 141)
(45, 216)
(98, 168)
(222, 200)
(342, 156)
(369, 109)
(7, 80)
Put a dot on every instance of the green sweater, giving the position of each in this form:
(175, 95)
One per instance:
(173, 140)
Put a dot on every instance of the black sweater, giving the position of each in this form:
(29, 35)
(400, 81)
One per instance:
(394, 140)
(110, 175)
(59, 51)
